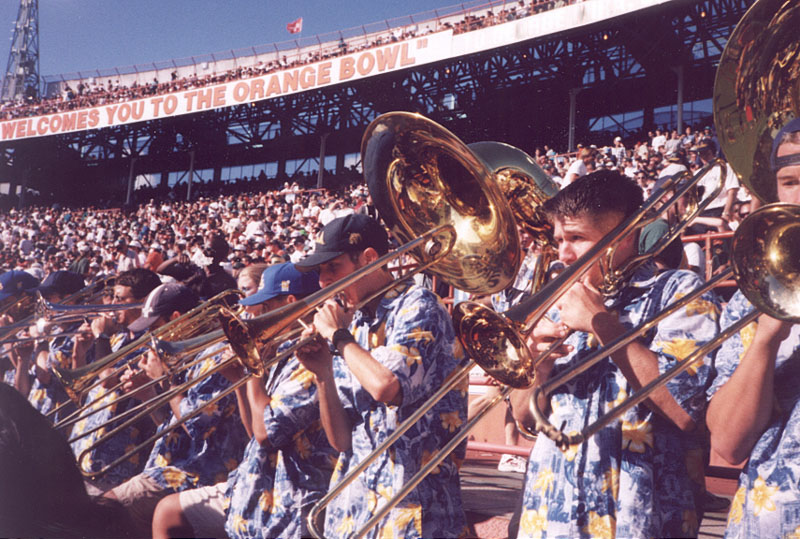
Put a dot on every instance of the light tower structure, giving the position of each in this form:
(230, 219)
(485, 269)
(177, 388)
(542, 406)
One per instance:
(21, 80)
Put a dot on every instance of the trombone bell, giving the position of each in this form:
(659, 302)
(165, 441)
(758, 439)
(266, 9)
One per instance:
(766, 254)
(494, 344)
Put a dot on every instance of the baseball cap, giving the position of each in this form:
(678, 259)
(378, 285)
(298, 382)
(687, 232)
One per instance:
(164, 300)
(675, 157)
(349, 234)
(61, 282)
(704, 144)
(283, 280)
(15, 281)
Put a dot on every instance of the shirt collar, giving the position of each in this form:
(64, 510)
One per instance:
(643, 278)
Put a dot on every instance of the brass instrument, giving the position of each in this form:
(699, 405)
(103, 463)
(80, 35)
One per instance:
(26, 309)
(497, 341)
(773, 265)
(523, 185)
(438, 198)
(77, 381)
(60, 313)
(751, 105)
(766, 251)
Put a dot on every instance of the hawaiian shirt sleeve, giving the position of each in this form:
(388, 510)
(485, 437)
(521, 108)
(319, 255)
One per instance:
(292, 407)
(200, 394)
(732, 350)
(680, 334)
(419, 340)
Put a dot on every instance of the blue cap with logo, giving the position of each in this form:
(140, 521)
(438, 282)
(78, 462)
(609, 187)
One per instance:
(283, 280)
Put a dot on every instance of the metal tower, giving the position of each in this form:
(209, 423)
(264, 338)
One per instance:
(21, 80)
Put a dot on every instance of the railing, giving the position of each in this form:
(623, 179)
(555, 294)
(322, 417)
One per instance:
(708, 243)
(352, 38)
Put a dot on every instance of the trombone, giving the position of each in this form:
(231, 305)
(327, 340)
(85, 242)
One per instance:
(523, 186)
(78, 381)
(762, 246)
(751, 104)
(497, 341)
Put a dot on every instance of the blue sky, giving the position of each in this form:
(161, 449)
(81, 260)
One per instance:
(96, 34)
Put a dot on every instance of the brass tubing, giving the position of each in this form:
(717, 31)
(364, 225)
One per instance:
(450, 383)
(423, 472)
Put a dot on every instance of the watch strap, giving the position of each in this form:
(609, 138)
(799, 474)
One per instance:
(341, 337)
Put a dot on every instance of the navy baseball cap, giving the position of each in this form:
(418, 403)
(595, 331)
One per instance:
(15, 282)
(283, 280)
(349, 234)
(164, 300)
(61, 282)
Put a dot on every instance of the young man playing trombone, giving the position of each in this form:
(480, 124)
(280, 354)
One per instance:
(288, 463)
(104, 335)
(205, 448)
(396, 351)
(53, 350)
(634, 478)
(754, 412)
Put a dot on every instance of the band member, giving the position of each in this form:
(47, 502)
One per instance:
(396, 351)
(634, 478)
(287, 465)
(45, 390)
(14, 285)
(206, 447)
(754, 412)
(107, 334)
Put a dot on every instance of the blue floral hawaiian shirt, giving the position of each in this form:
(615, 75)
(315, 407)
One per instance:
(767, 502)
(410, 333)
(207, 447)
(45, 397)
(639, 476)
(275, 486)
(109, 451)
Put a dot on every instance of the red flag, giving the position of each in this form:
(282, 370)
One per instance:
(296, 26)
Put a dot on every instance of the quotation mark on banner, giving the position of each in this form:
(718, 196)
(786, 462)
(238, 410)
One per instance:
(422, 43)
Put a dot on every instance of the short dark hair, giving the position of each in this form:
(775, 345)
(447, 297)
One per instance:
(141, 281)
(597, 193)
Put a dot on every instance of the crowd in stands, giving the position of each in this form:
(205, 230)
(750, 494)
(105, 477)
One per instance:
(263, 224)
(257, 226)
(91, 93)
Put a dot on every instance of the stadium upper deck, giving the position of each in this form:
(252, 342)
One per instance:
(281, 71)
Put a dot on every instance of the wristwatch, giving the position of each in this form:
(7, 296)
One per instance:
(341, 337)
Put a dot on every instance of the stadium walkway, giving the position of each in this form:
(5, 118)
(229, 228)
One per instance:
(490, 498)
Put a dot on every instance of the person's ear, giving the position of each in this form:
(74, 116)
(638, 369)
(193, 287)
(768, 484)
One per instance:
(369, 255)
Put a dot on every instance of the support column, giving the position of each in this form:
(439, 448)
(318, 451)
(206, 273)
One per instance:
(321, 170)
(280, 174)
(26, 174)
(679, 72)
(131, 177)
(573, 111)
(191, 176)
(339, 163)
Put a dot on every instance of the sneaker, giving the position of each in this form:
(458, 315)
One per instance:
(512, 463)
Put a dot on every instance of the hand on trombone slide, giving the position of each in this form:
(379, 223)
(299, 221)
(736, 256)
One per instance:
(581, 306)
(132, 379)
(316, 355)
